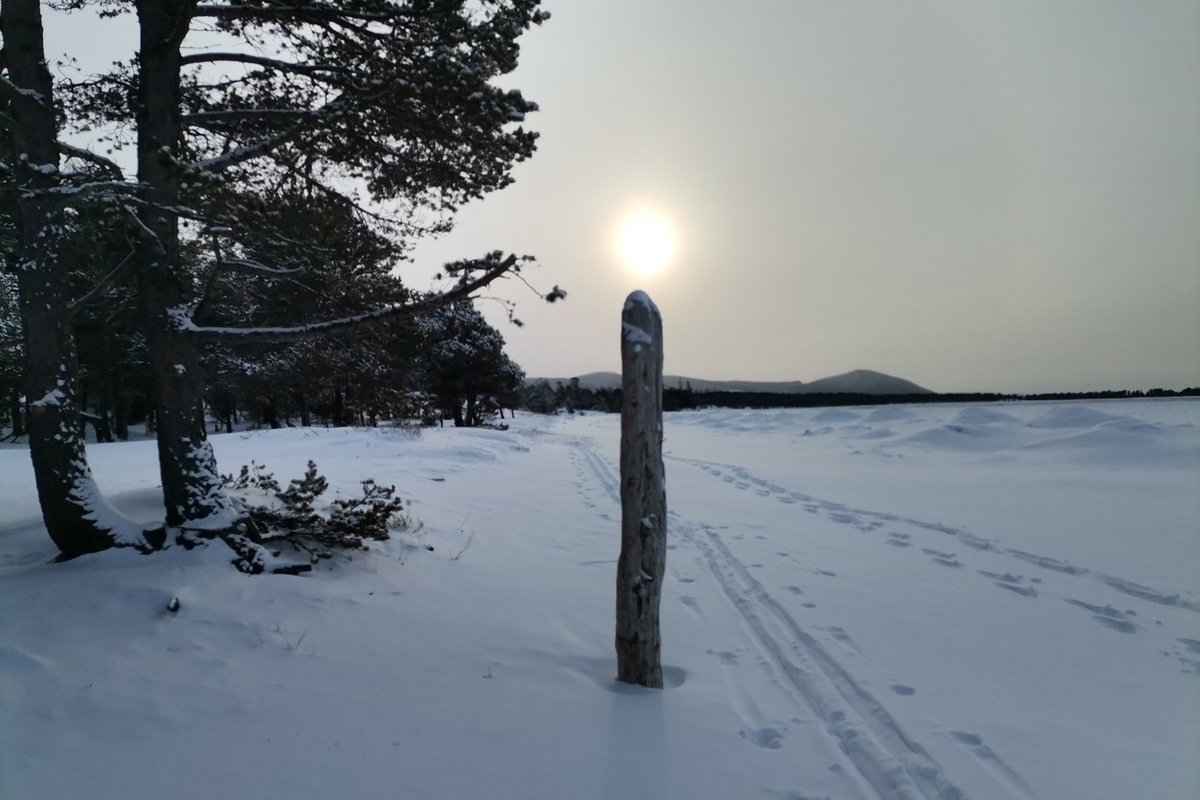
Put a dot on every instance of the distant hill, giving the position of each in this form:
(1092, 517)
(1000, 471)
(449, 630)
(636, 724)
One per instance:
(865, 381)
(860, 381)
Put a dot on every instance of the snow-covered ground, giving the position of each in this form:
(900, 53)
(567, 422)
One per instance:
(984, 601)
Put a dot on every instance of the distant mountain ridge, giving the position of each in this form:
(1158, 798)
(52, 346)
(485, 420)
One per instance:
(859, 381)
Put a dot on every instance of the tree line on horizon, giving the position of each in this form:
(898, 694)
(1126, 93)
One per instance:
(569, 396)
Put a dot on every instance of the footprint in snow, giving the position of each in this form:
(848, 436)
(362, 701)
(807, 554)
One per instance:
(767, 738)
(987, 754)
(1012, 583)
(1108, 616)
(724, 656)
(1024, 591)
(902, 690)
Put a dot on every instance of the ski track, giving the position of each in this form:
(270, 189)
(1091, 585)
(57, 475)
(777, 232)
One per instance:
(867, 521)
(891, 762)
(894, 765)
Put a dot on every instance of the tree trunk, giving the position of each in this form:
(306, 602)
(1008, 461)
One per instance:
(643, 558)
(339, 406)
(109, 378)
(191, 484)
(67, 493)
(302, 403)
(269, 412)
(14, 408)
(472, 415)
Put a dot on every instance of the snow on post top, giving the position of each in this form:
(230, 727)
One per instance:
(639, 311)
(640, 298)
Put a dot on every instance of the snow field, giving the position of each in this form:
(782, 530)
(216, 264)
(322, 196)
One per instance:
(985, 601)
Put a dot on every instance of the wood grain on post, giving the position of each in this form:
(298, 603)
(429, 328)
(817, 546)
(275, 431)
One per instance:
(643, 495)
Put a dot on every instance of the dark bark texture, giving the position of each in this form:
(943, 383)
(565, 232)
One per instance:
(66, 491)
(191, 485)
(643, 558)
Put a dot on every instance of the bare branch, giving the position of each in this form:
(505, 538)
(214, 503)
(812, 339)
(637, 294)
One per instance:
(100, 287)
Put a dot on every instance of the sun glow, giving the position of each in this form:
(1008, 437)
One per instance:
(645, 243)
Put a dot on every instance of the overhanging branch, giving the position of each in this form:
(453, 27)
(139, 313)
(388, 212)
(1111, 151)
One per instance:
(465, 287)
(259, 61)
(300, 11)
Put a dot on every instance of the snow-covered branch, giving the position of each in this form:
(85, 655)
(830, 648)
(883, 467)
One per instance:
(248, 152)
(71, 151)
(219, 120)
(69, 195)
(8, 88)
(464, 288)
(299, 11)
(249, 267)
(259, 61)
(262, 147)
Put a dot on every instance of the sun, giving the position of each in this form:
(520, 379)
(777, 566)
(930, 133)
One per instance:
(645, 243)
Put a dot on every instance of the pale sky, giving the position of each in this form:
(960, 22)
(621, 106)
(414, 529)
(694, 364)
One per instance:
(999, 196)
(975, 196)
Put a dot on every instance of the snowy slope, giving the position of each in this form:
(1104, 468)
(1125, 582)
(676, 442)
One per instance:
(987, 601)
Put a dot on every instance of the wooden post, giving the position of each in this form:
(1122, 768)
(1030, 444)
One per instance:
(643, 495)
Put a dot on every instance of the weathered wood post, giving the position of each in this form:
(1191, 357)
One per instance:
(643, 495)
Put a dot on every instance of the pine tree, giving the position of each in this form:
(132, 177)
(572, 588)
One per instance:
(465, 366)
(359, 103)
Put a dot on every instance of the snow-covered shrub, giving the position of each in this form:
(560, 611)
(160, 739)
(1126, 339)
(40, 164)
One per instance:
(293, 519)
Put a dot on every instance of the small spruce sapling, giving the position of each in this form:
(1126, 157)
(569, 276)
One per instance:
(350, 521)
